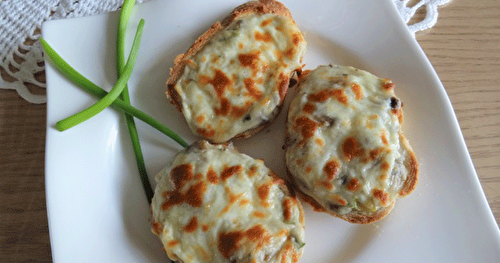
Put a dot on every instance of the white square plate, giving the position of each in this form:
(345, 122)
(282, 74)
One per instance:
(96, 206)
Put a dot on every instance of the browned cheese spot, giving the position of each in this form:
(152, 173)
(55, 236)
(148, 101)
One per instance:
(319, 142)
(192, 225)
(252, 91)
(287, 249)
(157, 227)
(331, 169)
(295, 257)
(220, 82)
(266, 22)
(263, 191)
(282, 86)
(249, 60)
(340, 200)
(179, 176)
(290, 52)
(244, 202)
(172, 198)
(200, 119)
(172, 243)
(232, 197)
(198, 176)
(357, 91)
(259, 214)
(324, 95)
(353, 185)
(296, 39)
(287, 209)
(225, 106)
(352, 149)
(240, 111)
(256, 233)
(398, 114)
(375, 153)
(309, 108)
(207, 133)
(240, 45)
(252, 171)
(229, 242)
(224, 210)
(325, 184)
(383, 177)
(384, 139)
(388, 86)
(384, 166)
(194, 195)
(205, 228)
(278, 55)
(307, 128)
(309, 169)
(230, 171)
(381, 195)
(212, 176)
(266, 37)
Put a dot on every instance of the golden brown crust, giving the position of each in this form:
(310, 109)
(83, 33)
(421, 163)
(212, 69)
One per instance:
(411, 164)
(252, 7)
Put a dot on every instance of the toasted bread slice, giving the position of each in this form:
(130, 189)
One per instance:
(214, 204)
(234, 78)
(345, 152)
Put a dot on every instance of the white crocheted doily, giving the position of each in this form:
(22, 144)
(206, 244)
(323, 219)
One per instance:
(21, 20)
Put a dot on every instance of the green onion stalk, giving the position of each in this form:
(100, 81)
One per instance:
(120, 66)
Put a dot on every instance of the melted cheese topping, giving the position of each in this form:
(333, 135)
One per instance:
(345, 149)
(213, 204)
(237, 81)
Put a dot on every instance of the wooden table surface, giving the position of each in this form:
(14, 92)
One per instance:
(464, 48)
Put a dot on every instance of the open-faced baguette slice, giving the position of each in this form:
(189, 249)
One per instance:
(345, 152)
(214, 204)
(234, 78)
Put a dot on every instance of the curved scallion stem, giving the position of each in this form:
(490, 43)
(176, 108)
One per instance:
(95, 90)
(106, 101)
(132, 129)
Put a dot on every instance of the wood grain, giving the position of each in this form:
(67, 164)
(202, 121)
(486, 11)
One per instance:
(464, 48)
(23, 218)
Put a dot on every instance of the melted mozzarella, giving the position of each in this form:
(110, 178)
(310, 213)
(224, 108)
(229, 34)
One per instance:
(237, 81)
(345, 149)
(214, 204)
